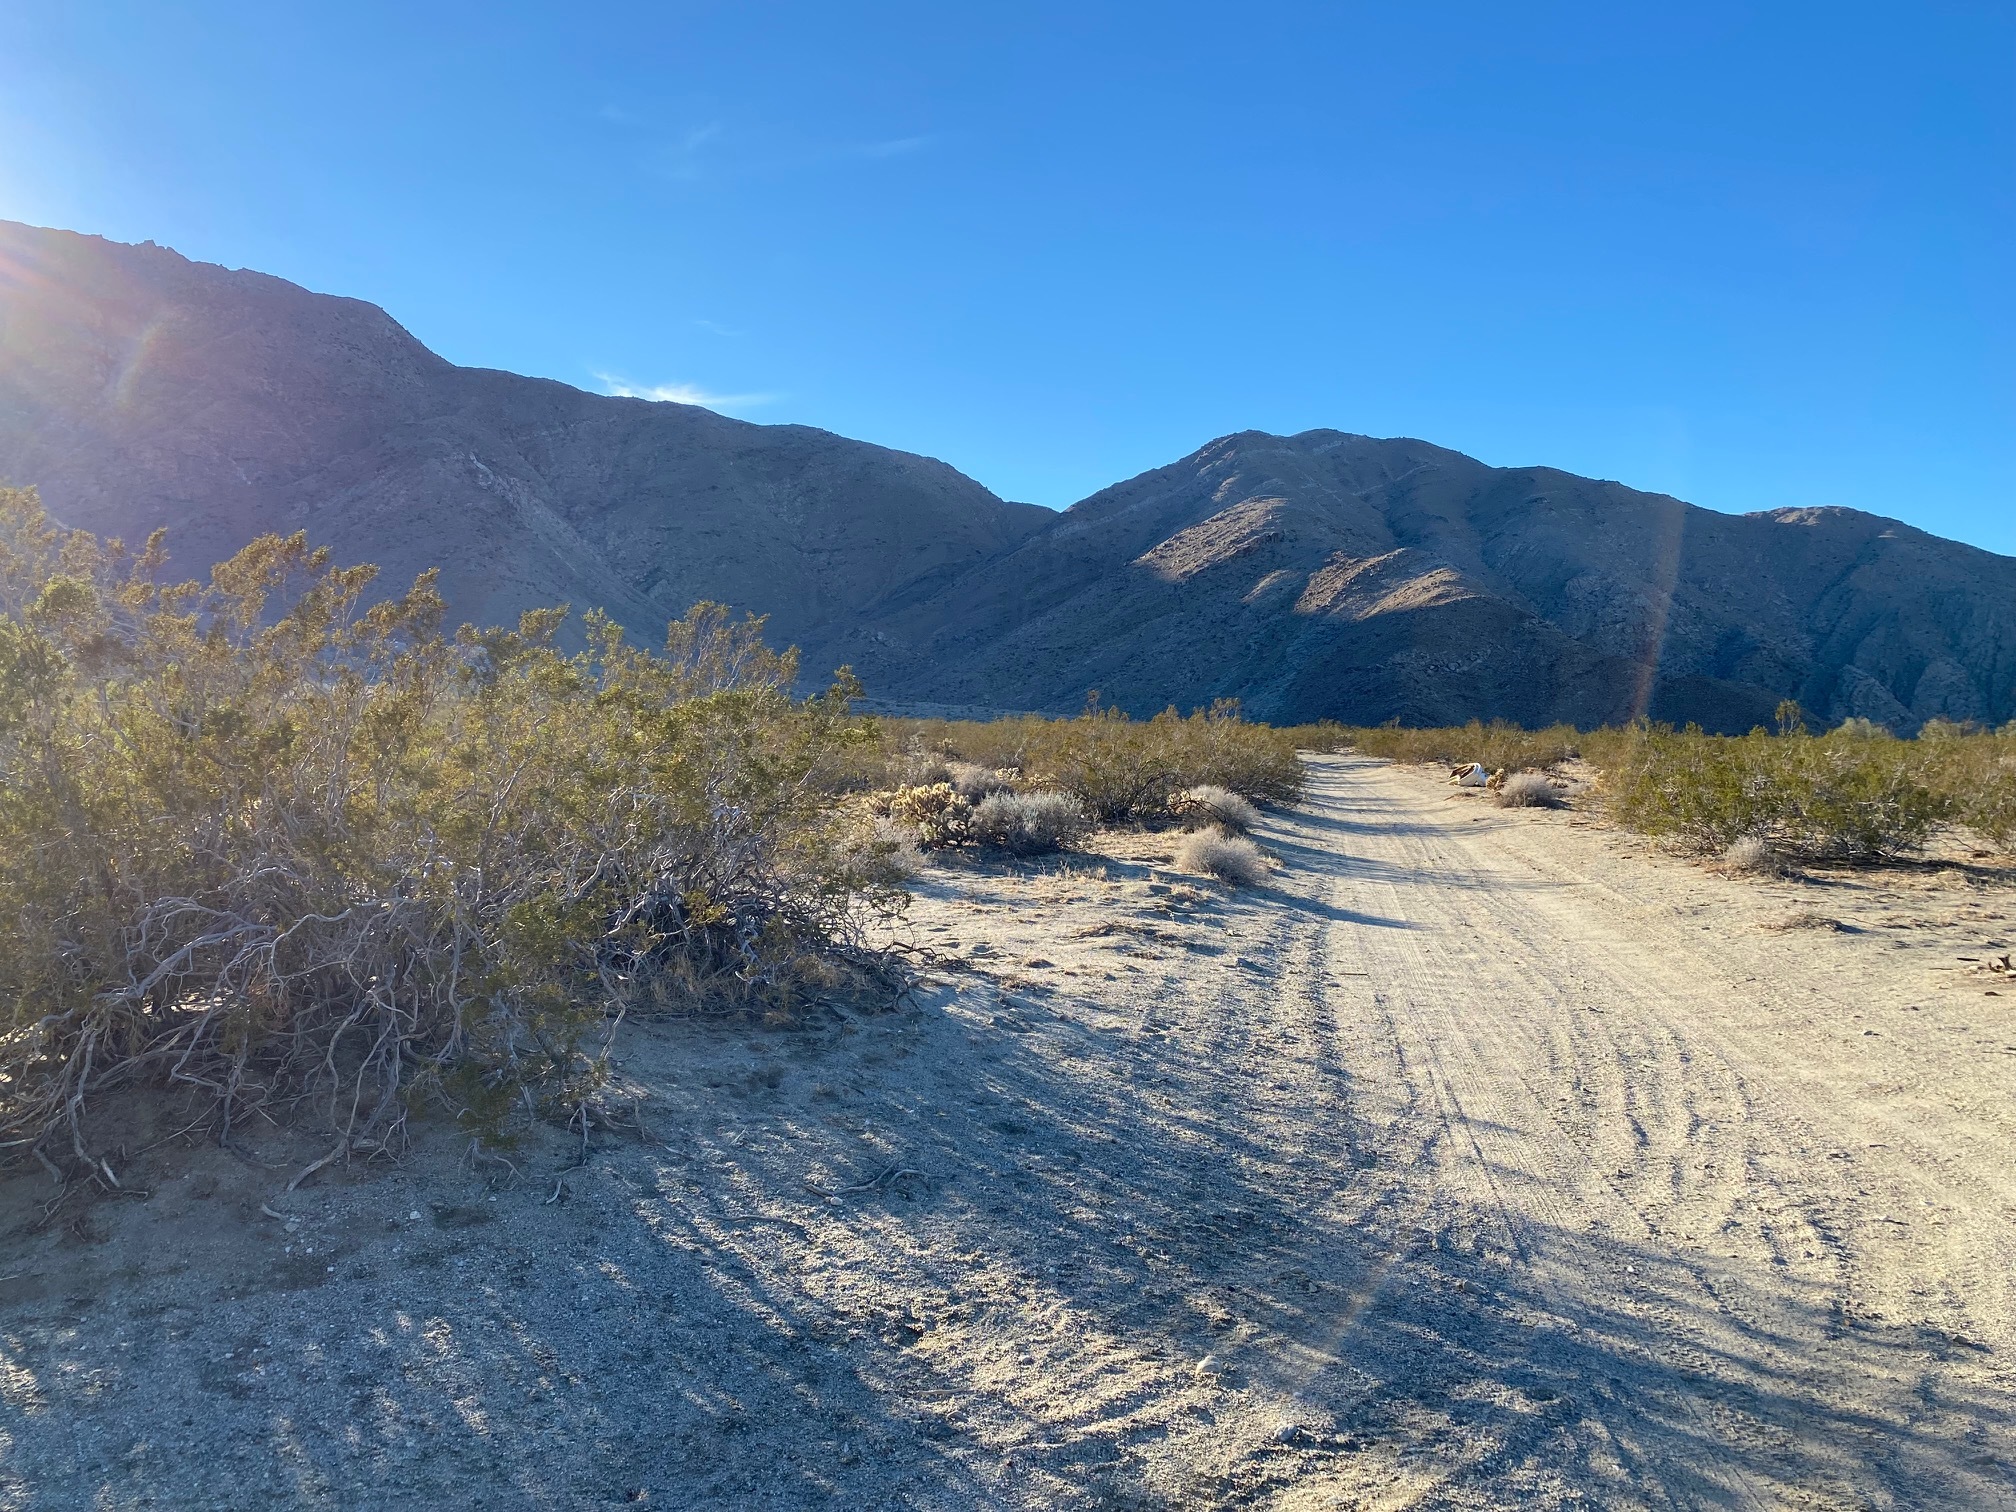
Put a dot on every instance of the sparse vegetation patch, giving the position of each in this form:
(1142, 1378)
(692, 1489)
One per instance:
(1760, 801)
(1495, 746)
(1119, 769)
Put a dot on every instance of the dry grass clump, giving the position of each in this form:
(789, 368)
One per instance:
(1753, 856)
(271, 848)
(1220, 806)
(1805, 918)
(1029, 824)
(1530, 790)
(1229, 858)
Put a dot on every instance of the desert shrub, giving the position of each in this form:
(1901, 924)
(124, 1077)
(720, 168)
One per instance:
(268, 846)
(932, 812)
(1529, 790)
(886, 852)
(1229, 858)
(1946, 729)
(1986, 790)
(1029, 824)
(1977, 771)
(1843, 797)
(1211, 804)
(974, 782)
(1496, 745)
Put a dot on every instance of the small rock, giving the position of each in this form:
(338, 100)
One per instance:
(1287, 1433)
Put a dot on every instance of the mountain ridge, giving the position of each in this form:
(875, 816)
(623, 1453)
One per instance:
(139, 389)
(1325, 574)
(1411, 581)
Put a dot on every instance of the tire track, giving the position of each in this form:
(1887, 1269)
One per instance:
(1650, 1170)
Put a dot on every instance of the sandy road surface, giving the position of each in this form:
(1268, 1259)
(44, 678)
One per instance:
(1475, 1162)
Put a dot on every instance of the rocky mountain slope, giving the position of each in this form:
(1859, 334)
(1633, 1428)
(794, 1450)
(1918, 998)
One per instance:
(1317, 575)
(140, 389)
(1333, 575)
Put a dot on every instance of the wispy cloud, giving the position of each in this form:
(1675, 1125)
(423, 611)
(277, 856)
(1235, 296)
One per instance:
(895, 147)
(679, 393)
(688, 155)
(714, 150)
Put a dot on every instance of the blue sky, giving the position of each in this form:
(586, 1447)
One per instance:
(1754, 255)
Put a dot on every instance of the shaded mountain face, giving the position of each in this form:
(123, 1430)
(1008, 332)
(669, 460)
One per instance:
(139, 389)
(1328, 575)
(1322, 575)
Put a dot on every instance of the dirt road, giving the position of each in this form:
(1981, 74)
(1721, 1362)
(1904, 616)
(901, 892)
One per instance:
(1479, 1160)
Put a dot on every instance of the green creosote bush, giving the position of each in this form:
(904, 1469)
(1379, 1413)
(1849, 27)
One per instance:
(270, 847)
(1843, 796)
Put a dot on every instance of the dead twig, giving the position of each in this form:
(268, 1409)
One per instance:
(313, 1166)
(49, 1211)
(893, 1173)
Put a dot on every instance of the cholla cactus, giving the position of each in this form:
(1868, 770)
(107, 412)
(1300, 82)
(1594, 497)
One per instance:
(934, 811)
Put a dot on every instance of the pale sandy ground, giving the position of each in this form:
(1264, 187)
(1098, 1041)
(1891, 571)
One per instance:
(1483, 1159)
